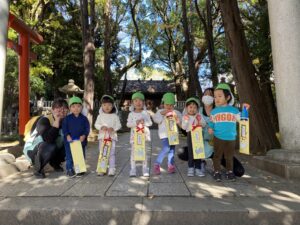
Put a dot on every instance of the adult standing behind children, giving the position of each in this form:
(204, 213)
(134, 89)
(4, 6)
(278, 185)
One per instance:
(168, 102)
(75, 127)
(45, 144)
(108, 123)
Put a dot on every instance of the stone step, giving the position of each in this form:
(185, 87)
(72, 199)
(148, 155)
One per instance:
(147, 211)
(281, 168)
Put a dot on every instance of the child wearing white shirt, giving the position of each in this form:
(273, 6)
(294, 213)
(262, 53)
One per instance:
(138, 117)
(160, 118)
(108, 123)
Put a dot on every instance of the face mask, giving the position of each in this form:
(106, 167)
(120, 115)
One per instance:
(207, 100)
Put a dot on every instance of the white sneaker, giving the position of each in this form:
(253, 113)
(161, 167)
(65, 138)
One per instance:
(199, 173)
(190, 172)
(145, 172)
(111, 172)
(132, 172)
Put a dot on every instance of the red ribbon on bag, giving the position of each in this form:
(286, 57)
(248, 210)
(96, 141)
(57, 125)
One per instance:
(198, 118)
(108, 139)
(140, 128)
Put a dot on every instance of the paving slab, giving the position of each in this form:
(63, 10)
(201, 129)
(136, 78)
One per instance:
(257, 198)
(70, 210)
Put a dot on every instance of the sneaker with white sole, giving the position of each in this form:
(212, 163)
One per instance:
(199, 173)
(132, 172)
(190, 172)
(111, 172)
(145, 172)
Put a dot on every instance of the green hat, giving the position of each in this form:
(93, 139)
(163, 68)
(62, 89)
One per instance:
(193, 99)
(168, 98)
(138, 95)
(223, 86)
(74, 100)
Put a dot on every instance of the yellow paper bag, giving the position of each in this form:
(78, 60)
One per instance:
(104, 154)
(172, 130)
(139, 144)
(197, 143)
(244, 137)
(77, 155)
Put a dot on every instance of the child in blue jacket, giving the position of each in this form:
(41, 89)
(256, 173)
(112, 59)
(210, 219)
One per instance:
(75, 126)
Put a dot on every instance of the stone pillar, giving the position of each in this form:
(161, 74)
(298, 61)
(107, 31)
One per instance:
(4, 9)
(284, 18)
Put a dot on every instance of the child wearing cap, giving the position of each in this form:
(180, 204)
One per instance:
(75, 126)
(168, 102)
(191, 119)
(222, 125)
(108, 123)
(138, 117)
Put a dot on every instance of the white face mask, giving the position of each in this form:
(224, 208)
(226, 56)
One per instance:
(207, 100)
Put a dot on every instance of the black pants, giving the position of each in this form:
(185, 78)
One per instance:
(194, 163)
(238, 168)
(45, 153)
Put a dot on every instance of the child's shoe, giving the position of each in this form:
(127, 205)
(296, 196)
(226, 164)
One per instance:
(80, 174)
(156, 169)
(111, 172)
(171, 168)
(190, 172)
(199, 173)
(71, 173)
(217, 176)
(132, 172)
(230, 176)
(100, 174)
(146, 172)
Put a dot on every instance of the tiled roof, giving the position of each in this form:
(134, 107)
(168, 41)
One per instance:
(147, 86)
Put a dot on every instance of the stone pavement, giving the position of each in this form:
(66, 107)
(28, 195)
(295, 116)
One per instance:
(256, 198)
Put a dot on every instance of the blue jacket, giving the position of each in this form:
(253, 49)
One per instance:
(223, 121)
(76, 127)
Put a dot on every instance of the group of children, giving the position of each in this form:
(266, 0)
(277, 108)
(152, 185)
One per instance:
(222, 125)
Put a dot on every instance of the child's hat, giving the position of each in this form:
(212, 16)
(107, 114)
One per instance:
(224, 86)
(168, 98)
(108, 97)
(193, 99)
(138, 95)
(74, 100)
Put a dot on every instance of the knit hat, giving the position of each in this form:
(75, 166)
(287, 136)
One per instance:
(138, 95)
(224, 86)
(193, 99)
(75, 100)
(168, 98)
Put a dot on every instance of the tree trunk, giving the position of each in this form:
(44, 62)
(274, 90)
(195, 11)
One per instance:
(208, 30)
(88, 55)
(211, 45)
(262, 134)
(266, 88)
(107, 48)
(189, 48)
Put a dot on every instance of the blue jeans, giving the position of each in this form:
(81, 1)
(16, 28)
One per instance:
(166, 149)
(69, 159)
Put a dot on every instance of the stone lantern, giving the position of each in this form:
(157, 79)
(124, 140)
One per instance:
(71, 89)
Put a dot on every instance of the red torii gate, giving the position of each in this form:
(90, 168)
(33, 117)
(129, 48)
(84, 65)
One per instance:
(26, 34)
